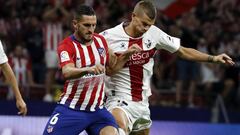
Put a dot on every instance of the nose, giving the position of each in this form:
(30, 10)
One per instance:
(92, 28)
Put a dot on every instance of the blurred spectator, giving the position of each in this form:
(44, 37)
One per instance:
(34, 45)
(187, 71)
(210, 75)
(53, 34)
(21, 66)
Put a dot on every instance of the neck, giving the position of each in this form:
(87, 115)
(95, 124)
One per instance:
(81, 40)
(129, 29)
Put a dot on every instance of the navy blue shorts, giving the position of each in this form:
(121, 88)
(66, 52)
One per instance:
(66, 121)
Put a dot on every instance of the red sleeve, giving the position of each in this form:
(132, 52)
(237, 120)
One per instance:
(66, 53)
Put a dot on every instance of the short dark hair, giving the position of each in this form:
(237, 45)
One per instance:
(83, 10)
(148, 8)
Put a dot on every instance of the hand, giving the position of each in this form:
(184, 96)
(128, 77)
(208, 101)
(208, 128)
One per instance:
(21, 107)
(132, 50)
(224, 59)
(97, 69)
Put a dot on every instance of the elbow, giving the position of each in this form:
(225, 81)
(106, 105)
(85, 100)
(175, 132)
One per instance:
(66, 76)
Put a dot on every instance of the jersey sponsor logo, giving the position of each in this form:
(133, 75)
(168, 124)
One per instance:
(101, 52)
(139, 58)
(89, 75)
(64, 56)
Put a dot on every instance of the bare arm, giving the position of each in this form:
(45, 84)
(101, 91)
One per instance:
(8, 73)
(195, 55)
(71, 72)
(117, 62)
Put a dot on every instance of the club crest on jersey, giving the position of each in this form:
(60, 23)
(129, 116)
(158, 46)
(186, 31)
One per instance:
(148, 43)
(50, 129)
(101, 52)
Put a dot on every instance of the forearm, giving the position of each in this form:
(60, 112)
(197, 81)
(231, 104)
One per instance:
(120, 62)
(74, 73)
(11, 79)
(194, 55)
(116, 63)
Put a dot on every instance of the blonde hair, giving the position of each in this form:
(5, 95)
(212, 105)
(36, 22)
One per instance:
(147, 7)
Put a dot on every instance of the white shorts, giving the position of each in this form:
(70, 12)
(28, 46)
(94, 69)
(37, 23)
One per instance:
(138, 114)
(51, 59)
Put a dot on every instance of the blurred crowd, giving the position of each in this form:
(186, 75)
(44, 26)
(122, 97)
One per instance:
(31, 28)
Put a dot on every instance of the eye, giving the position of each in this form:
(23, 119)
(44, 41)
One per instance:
(87, 25)
(145, 24)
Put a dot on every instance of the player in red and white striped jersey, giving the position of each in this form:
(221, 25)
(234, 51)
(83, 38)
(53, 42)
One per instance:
(129, 88)
(83, 57)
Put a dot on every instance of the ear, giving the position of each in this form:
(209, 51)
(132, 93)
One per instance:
(74, 22)
(133, 14)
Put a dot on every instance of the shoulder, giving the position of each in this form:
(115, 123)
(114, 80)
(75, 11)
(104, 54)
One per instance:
(66, 44)
(96, 35)
(112, 31)
(154, 30)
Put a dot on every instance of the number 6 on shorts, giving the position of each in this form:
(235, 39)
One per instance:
(54, 119)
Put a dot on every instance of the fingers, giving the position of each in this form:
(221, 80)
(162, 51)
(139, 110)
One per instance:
(21, 107)
(22, 111)
(98, 69)
(230, 62)
(225, 59)
(136, 48)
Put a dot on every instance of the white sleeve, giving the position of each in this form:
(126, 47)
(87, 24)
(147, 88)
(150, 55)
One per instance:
(165, 41)
(3, 57)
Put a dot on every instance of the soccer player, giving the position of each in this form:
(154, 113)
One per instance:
(129, 88)
(83, 57)
(8, 73)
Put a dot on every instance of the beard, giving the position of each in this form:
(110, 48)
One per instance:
(85, 37)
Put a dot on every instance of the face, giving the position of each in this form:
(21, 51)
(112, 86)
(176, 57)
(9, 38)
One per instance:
(18, 51)
(85, 27)
(141, 23)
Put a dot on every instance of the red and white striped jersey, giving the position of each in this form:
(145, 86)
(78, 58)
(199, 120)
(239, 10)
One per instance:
(85, 93)
(53, 34)
(20, 67)
(133, 81)
(3, 57)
